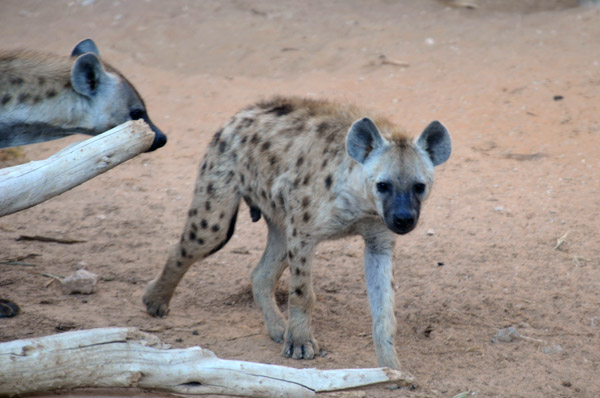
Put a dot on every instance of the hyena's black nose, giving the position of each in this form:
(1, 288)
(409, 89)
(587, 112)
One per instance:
(160, 139)
(404, 223)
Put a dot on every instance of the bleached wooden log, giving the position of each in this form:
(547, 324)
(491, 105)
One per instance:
(32, 183)
(126, 357)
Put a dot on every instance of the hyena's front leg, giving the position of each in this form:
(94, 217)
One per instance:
(264, 280)
(299, 342)
(379, 275)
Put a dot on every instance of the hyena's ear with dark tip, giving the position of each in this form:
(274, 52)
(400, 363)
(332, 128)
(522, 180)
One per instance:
(363, 137)
(435, 140)
(87, 74)
(85, 46)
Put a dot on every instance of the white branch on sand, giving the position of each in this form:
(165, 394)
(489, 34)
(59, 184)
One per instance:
(127, 357)
(32, 183)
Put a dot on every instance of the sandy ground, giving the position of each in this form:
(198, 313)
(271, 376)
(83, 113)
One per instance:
(516, 82)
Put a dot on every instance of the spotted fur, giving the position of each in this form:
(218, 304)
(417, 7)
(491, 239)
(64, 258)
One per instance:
(315, 170)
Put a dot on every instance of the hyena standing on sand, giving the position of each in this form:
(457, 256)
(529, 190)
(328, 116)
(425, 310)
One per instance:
(44, 97)
(315, 171)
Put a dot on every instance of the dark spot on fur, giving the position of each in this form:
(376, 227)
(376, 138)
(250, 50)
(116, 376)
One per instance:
(330, 138)
(296, 182)
(294, 232)
(281, 110)
(230, 176)
(273, 205)
(192, 235)
(41, 80)
(246, 122)
(324, 164)
(200, 241)
(183, 252)
(222, 215)
(292, 220)
(204, 224)
(37, 99)
(300, 161)
(306, 217)
(222, 146)
(322, 128)
(194, 227)
(217, 137)
(306, 179)
(263, 193)
(192, 212)
(242, 179)
(254, 139)
(244, 139)
(207, 205)
(50, 93)
(328, 181)
(305, 201)
(297, 272)
(6, 99)
(290, 255)
(281, 199)
(17, 81)
(265, 146)
(179, 263)
(273, 160)
(23, 97)
(215, 228)
(229, 234)
(210, 189)
(303, 260)
(298, 292)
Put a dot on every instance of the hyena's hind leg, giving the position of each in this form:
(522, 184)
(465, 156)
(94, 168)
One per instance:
(264, 281)
(210, 225)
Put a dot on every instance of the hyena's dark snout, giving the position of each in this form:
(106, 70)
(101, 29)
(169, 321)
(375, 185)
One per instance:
(160, 139)
(404, 222)
(402, 214)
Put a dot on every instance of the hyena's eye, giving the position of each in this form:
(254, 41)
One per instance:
(383, 187)
(136, 114)
(419, 188)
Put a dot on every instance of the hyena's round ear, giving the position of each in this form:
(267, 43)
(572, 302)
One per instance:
(85, 46)
(363, 137)
(435, 140)
(87, 74)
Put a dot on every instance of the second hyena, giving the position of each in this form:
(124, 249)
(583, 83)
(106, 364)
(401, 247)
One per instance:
(45, 96)
(315, 171)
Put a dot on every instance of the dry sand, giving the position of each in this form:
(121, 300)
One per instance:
(525, 170)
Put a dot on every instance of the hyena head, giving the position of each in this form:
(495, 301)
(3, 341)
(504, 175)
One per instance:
(399, 171)
(112, 100)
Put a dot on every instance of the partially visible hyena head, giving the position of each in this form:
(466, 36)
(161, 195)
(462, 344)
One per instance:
(45, 96)
(315, 171)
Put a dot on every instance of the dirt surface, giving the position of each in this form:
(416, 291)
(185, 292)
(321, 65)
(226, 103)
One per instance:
(517, 83)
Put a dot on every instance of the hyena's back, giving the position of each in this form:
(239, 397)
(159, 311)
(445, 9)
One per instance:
(283, 155)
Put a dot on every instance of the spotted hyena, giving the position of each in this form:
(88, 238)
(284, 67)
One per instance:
(315, 171)
(45, 96)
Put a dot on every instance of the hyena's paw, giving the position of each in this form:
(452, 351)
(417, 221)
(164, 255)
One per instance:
(300, 347)
(155, 304)
(276, 329)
